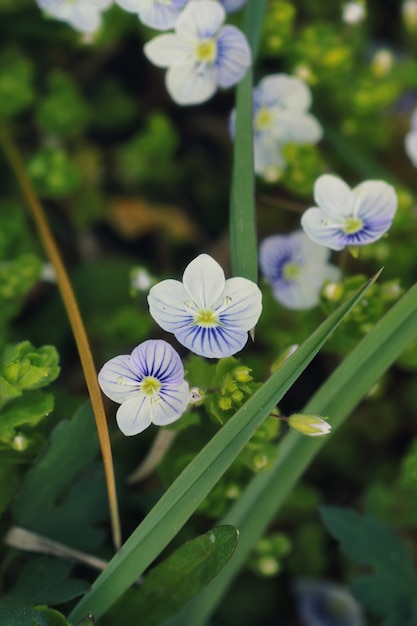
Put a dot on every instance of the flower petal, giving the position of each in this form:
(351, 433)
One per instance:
(191, 82)
(334, 197)
(244, 304)
(174, 401)
(158, 358)
(232, 5)
(204, 281)
(212, 342)
(266, 152)
(128, 5)
(134, 415)
(410, 144)
(160, 15)
(375, 201)
(233, 56)
(284, 91)
(329, 235)
(296, 127)
(200, 20)
(168, 305)
(117, 379)
(166, 50)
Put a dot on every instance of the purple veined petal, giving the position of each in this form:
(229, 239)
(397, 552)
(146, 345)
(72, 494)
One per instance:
(168, 305)
(134, 415)
(160, 15)
(174, 400)
(233, 56)
(232, 5)
(266, 152)
(118, 380)
(157, 358)
(410, 145)
(167, 50)
(212, 342)
(284, 91)
(204, 281)
(375, 201)
(200, 20)
(242, 304)
(334, 197)
(274, 252)
(329, 235)
(191, 82)
(296, 127)
(128, 5)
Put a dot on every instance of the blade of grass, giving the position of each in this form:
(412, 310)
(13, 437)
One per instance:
(337, 397)
(76, 323)
(243, 243)
(190, 488)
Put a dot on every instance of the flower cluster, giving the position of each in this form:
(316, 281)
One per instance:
(207, 314)
(280, 117)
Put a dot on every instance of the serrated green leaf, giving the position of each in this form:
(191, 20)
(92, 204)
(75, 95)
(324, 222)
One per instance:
(59, 499)
(44, 580)
(29, 409)
(369, 542)
(169, 585)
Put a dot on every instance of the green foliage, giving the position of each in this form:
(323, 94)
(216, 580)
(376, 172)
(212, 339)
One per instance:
(169, 585)
(27, 367)
(16, 83)
(268, 554)
(53, 173)
(43, 581)
(388, 591)
(63, 111)
(42, 616)
(63, 495)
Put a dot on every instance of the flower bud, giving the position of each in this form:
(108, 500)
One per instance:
(310, 425)
(197, 396)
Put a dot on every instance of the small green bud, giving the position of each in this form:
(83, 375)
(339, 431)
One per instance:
(268, 566)
(242, 374)
(310, 425)
(237, 397)
(197, 396)
(225, 403)
(20, 443)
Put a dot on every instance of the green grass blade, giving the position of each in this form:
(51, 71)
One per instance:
(243, 242)
(196, 481)
(337, 397)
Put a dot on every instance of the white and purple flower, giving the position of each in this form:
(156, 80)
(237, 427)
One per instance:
(230, 6)
(280, 116)
(83, 15)
(209, 315)
(158, 14)
(321, 603)
(296, 268)
(349, 217)
(149, 384)
(201, 55)
(410, 142)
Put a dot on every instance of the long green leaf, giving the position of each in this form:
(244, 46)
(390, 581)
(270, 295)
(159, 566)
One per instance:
(337, 397)
(243, 243)
(195, 482)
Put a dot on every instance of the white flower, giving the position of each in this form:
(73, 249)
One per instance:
(349, 217)
(149, 384)
(201, 55)
(280, 116)
(232, 5)
(208, 314)
(353, 12)
(310, 425)
(158, 14)
(410, 142)
(83, 15)
(322, 603)
(296, 269)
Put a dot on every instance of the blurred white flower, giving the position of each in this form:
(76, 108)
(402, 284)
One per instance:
(202, 55)
(349, 217)
(280, 116)
(409, 13)
(410, 142)
(296, 269)
(83, 15)
(321, 603)
(158, 14)
(231, 5)
(353, 12)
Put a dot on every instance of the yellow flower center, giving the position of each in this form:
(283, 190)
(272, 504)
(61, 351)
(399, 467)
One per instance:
(150, 386)
(352, 225)
(206, 318)
(206, 51)
(290, 271)
(263, 119)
